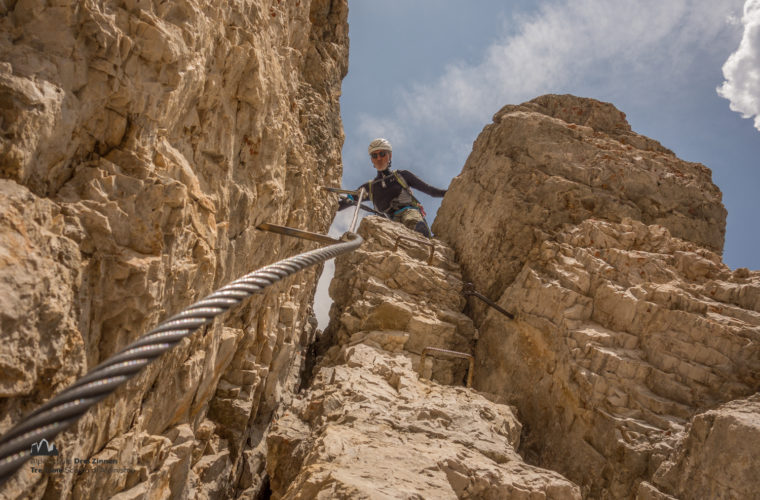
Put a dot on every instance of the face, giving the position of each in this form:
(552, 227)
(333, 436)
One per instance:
(380, 159)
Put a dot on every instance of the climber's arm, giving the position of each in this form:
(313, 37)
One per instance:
(417, 183)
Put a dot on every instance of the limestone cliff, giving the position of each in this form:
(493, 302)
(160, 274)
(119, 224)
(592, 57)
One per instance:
(560, 160)
(142, 142)
(631, 336)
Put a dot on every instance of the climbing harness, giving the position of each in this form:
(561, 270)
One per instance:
(69, 405)
(469, 289)
(415, 202)
(411, 204)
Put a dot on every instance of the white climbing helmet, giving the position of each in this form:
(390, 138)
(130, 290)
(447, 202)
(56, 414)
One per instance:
(379, 144)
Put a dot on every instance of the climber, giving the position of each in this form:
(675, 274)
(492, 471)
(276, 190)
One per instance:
(390, 190)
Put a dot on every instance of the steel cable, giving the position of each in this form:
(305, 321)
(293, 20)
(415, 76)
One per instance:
(68, 406)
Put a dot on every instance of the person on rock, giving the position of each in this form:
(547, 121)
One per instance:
(390, 191)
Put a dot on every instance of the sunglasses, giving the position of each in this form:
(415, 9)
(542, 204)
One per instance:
(381, 154)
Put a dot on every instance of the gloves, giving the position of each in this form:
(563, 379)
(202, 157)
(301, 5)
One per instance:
(346, 202)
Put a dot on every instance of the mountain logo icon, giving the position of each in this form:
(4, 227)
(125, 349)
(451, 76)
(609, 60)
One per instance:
(44, 448)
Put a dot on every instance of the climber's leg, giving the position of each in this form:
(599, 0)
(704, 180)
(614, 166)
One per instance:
(422, 228)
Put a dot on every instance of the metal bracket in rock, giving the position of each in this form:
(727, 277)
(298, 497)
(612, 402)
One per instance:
(453, 354)
(469, 289)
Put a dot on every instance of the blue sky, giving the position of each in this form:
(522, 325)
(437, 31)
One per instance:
(429, 74)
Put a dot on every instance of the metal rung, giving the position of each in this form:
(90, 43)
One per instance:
(453, 354)
(361, 194)
(421, 242)
(298, 233)
(341, 191)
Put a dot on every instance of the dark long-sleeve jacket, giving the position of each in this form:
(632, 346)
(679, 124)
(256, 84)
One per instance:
(388, 195)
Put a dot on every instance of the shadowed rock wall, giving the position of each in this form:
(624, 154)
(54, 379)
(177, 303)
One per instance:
(142, 142)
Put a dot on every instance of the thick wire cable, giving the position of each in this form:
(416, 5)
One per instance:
(69, 405)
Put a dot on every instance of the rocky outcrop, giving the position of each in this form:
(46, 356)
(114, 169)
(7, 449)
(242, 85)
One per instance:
(402, 293)
(369, 426)
(716, 457)
(141, 145)
(560, 160)
(621, 341)
(630, 333)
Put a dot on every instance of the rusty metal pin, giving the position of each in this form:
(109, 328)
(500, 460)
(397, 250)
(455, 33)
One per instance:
(454, 354)
(340, 191)
(415, 240)
(298, 233)
(469, 289)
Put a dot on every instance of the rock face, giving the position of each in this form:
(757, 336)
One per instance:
(717, 457)
(401, 295)
(141, 144)
(369, 426)
(560, 160)
(630, 333)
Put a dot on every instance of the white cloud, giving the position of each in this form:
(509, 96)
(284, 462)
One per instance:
(374, 126)
(562, 47)
(742, 69)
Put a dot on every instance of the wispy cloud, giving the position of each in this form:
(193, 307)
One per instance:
(565, 46)
(742, 69)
